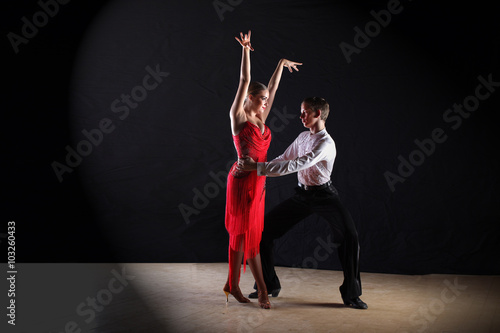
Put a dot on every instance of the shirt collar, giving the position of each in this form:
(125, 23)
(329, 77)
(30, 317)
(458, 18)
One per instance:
(322, 132)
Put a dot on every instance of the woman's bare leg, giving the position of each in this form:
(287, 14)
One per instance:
(256, 268)
(233, 278)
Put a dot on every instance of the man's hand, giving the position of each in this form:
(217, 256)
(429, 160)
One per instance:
(247, 164)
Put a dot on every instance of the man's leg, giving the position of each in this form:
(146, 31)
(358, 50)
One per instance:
(276, 223)
(326, 203)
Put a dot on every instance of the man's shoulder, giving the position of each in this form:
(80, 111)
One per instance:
(326, 136)
(327, 139)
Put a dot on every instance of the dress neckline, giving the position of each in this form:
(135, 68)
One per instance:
(261, 133)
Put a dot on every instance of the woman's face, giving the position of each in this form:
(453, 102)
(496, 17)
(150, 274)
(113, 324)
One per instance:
(259, 100)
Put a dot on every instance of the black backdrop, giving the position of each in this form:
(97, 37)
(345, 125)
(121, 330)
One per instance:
(149, 183)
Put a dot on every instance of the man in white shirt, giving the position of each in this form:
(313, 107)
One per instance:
(311, 155)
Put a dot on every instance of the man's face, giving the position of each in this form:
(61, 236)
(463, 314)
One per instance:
(308, 116)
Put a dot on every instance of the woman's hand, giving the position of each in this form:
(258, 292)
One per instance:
(291, 64)
(245, 40)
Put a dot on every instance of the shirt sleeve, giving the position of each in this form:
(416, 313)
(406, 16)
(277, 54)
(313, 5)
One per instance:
(281, 165)
(290, 153)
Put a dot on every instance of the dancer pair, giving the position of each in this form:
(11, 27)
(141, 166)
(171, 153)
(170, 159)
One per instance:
(312, 156)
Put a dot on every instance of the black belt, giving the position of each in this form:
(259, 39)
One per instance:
(315, 187)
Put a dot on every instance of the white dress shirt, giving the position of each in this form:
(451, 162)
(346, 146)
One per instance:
(311, 155)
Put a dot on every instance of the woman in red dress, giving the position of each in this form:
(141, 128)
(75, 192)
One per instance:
(245, 195)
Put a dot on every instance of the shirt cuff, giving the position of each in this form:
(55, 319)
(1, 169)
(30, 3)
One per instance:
(261, 169)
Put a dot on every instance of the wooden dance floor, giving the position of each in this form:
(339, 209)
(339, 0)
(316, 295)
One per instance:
(185, 297)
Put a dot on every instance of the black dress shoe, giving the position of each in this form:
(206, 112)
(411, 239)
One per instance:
(273, 293)
(355, 303)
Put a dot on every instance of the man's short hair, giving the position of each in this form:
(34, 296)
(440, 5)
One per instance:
(318, 103)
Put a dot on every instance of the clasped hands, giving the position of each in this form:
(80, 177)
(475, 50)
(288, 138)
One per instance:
(246, 163)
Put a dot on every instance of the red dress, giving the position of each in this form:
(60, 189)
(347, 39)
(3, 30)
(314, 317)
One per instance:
(245, 194)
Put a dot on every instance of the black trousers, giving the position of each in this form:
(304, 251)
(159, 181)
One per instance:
(325, 203)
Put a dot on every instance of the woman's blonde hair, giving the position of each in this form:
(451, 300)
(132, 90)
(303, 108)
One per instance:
(255, 87)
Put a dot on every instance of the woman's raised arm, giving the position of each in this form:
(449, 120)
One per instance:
(237, 113)
(275, 81)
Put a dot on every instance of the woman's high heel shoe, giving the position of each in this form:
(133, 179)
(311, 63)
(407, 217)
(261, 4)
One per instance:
(236, 294)
(264, 299)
